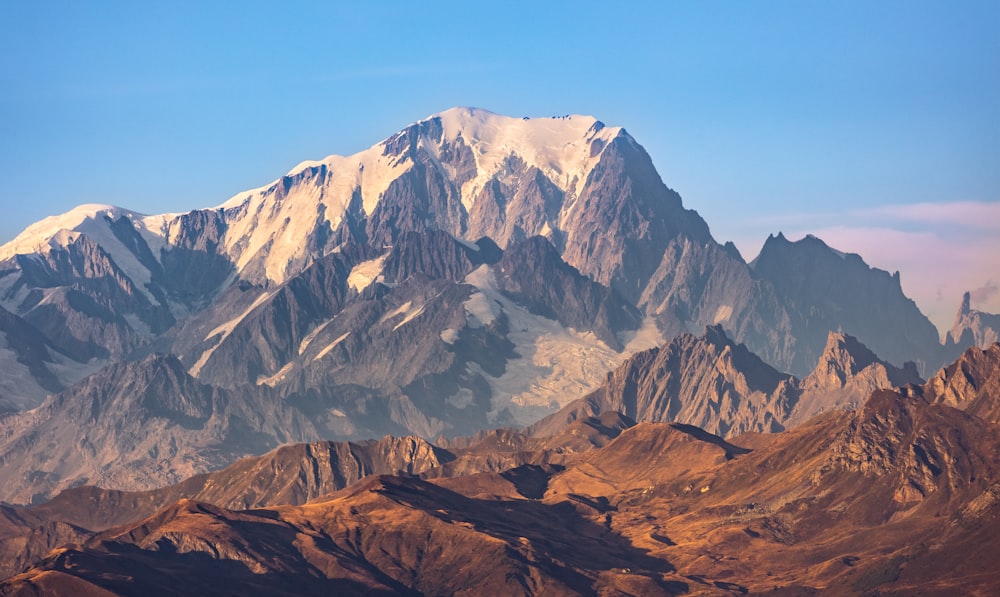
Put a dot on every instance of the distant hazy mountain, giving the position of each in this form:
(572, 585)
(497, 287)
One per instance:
(973, 327)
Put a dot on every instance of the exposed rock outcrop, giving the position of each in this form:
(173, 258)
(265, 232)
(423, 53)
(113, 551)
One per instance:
(971, 383)
(718, 385)
(845, 376)
(710, 382)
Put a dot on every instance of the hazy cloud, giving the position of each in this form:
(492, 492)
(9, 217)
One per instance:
(974, 215)
(978, 215)
(984, 293)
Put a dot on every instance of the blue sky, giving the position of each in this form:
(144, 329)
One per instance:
(875, 125)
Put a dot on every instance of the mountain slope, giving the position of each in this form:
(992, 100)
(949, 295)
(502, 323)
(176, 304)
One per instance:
(718, 385)
(471, 271)
(330, 353)
(32, 366)
(845, 376)
(299, 473)
(709, 382)
(144, 424)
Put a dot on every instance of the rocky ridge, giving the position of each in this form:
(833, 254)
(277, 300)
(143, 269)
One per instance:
(716, 384)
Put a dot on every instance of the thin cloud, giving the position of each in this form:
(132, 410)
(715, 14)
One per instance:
(984, 294)
(978, 215)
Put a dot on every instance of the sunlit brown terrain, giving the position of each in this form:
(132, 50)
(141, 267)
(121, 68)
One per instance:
(899, 497)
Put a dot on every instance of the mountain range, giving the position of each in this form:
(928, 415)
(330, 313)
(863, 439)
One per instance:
(471, 271)
(572, 379)
(100, 282)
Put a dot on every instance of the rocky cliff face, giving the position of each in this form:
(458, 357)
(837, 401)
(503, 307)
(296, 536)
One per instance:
(719, 385)
(923, 450)
(971, 383)
(845, 376)
(710, 382)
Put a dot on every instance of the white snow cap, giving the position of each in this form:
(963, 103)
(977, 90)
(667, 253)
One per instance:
(36, 237)
(559, 146)
(273, 221)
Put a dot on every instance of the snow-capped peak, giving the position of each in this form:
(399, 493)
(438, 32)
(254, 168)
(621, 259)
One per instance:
(271, 228)
(560, 146)
(37, 236)
(273, 223)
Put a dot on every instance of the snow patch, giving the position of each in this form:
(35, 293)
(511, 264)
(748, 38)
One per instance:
(223, 331)
(407, 310)
(363, 274)
(312, 335)
(331, 346)
(462, 399)
(449, 336)
(647, 336)
(396, 312)
(227, 327)
(479, 307)
(272, 380)
(409, 316)
(557, 364)
(469, 244)
(723, 313)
